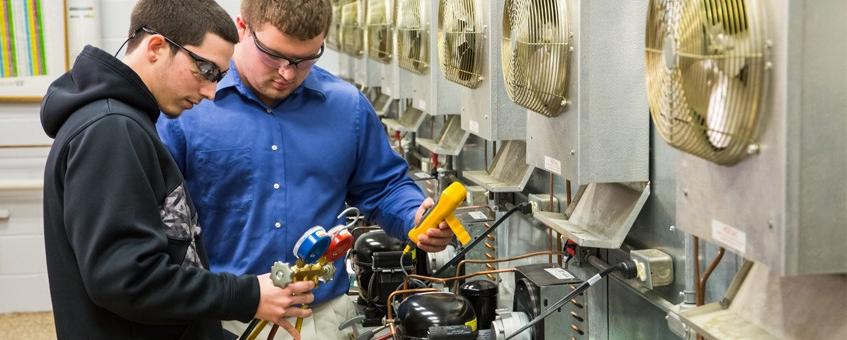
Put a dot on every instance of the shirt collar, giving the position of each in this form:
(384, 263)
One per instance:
(311, 85)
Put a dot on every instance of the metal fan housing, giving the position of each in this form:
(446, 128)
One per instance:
(535, 53)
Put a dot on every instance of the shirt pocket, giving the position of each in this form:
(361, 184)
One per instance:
(224, 178)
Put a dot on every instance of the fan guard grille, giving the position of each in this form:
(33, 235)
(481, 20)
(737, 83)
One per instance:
(707, 75)
(412, 36)
(535, 52)
(460, 41)
(332, 37)
(380, 34)
(352, 33)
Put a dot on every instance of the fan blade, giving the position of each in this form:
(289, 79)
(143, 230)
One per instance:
(719, 120)
(697, 84)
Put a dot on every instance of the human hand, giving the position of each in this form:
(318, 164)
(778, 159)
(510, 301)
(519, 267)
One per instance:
(276, 304)
(435, 239)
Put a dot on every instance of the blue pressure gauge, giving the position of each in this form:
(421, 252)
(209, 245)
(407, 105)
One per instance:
(312, 245)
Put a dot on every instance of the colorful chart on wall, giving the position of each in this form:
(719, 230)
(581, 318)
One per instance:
(33, 47)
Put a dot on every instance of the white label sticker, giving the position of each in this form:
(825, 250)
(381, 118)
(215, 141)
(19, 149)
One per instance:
(553, 165)
(478, 215)
(422, 104)
(732, 237)
(559, 273)
(473, 126)
(485, 334)
(422, 175)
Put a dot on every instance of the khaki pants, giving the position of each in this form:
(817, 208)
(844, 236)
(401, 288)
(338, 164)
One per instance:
(323, 324)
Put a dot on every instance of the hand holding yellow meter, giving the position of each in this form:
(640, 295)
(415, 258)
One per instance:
(444, 210)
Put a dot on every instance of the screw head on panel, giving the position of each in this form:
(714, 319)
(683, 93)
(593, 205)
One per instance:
(753, 149)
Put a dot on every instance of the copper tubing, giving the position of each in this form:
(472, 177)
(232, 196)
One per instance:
(708, 273)
(462, 263)
(491, 254)
(393, 331)
(550, 245)
(700, 284)
(456, 278)
(272, 334)
(559, 248)
(389, 317)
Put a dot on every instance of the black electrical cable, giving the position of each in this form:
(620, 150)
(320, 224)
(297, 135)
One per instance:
(249, 329)
(626, 267)
(525, 208)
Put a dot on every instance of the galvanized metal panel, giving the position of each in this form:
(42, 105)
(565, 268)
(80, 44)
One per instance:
(431, 92)
(364, 73)
(394, 81)
(767, 306)
(487, 110)
(630, 317)
(450, 141)
(786, 204)
(602, 136)
(509, 171)
(602, 216)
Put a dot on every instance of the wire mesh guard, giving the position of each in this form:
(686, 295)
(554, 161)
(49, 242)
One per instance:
(461, 41)
(352, 32)
(380, 33)
(412, 36)
(535, 53)
(706, 75)
(332, 37)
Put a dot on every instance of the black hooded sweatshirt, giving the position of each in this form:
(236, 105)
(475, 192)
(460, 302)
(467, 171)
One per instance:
(124, 255)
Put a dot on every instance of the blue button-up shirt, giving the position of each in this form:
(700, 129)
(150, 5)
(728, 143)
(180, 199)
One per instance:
(261, 176)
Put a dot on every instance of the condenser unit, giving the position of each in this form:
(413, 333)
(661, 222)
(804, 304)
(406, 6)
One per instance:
(469, 55)
(353, 43)
(469, 35)
(394, 82)
(332, 37)
(753, 94)
(333, 42)
(576, 66)
(379, 31)
(417, 53)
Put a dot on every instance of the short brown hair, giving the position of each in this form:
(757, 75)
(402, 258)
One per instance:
(186, 22)
(301, 19)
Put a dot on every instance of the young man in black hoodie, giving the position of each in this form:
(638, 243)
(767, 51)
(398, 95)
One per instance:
(124, 254)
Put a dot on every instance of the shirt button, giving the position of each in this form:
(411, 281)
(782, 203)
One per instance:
(277, 225)
(269, 110)
(276, 185)
(274, 147)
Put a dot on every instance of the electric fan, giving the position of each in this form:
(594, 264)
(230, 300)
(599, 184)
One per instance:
(535, 53)
(706, 75)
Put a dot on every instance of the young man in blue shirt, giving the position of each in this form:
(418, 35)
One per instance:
(282, 148)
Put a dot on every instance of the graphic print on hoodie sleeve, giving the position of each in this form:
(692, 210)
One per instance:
(180, 220)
